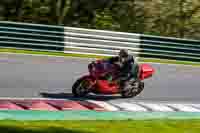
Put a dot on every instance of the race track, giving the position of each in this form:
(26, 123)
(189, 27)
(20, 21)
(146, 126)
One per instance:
(52, 77)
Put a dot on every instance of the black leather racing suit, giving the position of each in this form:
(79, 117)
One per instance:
(128, 70)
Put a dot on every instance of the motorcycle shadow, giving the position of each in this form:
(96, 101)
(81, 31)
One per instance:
(69, 96)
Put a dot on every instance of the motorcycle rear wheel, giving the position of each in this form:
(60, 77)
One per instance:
(79, 88)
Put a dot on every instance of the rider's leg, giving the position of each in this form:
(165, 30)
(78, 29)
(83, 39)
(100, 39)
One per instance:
(123, 82)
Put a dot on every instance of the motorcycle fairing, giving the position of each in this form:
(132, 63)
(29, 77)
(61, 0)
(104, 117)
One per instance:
(146, 71)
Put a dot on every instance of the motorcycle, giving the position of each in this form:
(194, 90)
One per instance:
(97, 80)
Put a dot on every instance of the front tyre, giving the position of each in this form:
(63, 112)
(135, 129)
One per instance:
(80, 87)
(134, 90)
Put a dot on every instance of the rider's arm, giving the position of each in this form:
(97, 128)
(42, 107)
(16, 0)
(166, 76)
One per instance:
(113, 59)
(130, 69)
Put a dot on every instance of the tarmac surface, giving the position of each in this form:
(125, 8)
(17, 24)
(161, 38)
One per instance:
(27, 76)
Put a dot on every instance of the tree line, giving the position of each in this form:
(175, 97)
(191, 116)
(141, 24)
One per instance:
(174, 18)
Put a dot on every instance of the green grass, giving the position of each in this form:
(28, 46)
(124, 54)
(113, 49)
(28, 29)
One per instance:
(47, 53)
(95, 56)
(169, 61)
(148, 126)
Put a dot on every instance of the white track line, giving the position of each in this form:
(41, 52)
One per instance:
(184, 107)
(130, 107)
(157, 107)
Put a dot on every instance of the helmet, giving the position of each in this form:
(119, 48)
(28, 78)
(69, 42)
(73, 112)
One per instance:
(123, 55)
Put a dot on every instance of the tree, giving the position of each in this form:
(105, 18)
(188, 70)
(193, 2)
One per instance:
(104, 20)
(59, 10)
(177, 18)
(11, 9)
(82, 13)
(173, 17)
(130, 14)
(187, 10)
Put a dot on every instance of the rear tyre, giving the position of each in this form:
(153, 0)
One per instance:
(133, 90)
(80, 87)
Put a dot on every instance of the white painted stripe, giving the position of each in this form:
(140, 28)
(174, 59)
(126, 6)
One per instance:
(105, 105)
(85, 53)
(195, 106)
(130, 107)
(184, 107)
(102, 37)
(157, 107)
(102, 46)
(100, 31)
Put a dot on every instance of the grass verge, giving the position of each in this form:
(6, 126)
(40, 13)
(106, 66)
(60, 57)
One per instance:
(11, 50)
(165, 61)
(148, 126)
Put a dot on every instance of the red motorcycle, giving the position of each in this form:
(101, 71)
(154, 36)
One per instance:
(97, 80)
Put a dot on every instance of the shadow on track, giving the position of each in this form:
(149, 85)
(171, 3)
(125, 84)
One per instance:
(70, 96)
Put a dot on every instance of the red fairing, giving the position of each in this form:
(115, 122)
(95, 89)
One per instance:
(105, 87)
(146, 71)
(97, 70)
(101, 67)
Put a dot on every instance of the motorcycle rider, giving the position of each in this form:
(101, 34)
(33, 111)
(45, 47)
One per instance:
(128, 67)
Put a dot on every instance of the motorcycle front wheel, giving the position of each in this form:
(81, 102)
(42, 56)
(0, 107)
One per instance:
(133, 90)
(80, 87)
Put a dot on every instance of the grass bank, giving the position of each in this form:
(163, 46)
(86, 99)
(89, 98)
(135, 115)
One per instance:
(165, 61)
(148, 126)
